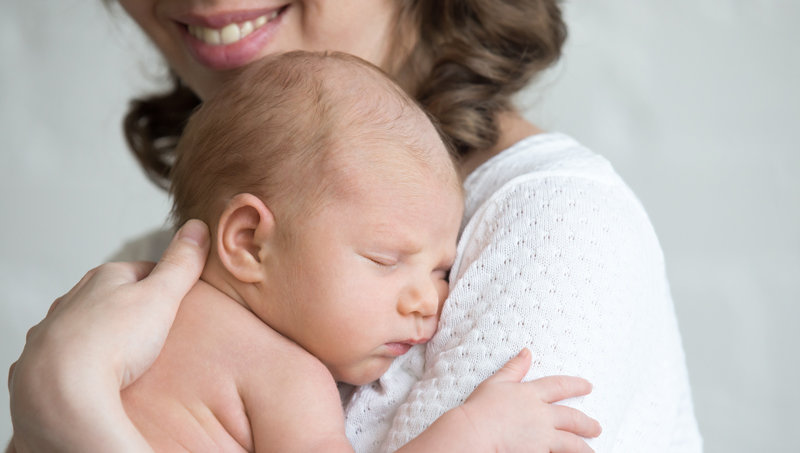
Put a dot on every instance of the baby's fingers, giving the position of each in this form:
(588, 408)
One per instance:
(574, 421)
(565, 442)
(515, 369)
(557, 388)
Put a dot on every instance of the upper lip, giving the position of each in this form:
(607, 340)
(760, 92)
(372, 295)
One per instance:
(416, 341)
(219, 20)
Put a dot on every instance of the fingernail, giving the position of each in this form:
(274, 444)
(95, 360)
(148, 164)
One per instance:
(194, 231)
(523, 353)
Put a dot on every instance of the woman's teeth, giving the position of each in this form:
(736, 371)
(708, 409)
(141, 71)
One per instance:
(230, 33)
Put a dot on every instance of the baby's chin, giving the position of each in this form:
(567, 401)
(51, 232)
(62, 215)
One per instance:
(363, 373)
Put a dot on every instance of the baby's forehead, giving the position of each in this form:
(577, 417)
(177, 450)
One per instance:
(359, 165)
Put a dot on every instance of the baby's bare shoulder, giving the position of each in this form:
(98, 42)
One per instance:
(281, 388)
(220, 365)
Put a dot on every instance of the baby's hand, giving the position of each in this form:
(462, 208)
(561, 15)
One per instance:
(514, 416)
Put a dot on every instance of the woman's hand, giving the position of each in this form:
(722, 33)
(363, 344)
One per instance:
(95, 340)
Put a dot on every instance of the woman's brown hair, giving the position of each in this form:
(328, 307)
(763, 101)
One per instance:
(468, 59)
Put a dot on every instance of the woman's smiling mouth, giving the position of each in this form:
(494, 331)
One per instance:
(232, 32)
(231, 40)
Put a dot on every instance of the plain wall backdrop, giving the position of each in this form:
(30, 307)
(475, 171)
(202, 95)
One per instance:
(695, 102)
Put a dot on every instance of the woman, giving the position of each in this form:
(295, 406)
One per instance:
(556, 252)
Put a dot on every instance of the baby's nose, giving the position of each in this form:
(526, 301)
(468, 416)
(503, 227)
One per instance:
(422, 298)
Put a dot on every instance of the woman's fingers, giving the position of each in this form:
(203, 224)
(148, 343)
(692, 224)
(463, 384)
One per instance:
(11, 373)
(99, 337)
(139, 270)
(130, 306)
(29, 334)
(182, 262)
(53, 305)
(574, 421)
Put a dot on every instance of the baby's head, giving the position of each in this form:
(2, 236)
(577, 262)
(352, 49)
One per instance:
(333, 203)
(290, 126)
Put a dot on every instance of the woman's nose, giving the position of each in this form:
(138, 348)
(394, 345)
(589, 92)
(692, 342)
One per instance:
(421, 298)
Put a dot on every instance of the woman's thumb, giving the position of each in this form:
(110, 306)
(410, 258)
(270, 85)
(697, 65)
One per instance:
(516, 368)
(183, 261)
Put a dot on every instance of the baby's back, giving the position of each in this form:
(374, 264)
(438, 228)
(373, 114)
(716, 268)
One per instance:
(216, 355)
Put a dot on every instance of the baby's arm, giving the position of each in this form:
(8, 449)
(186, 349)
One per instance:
(304, 413)
(294, 406)
(503, 414)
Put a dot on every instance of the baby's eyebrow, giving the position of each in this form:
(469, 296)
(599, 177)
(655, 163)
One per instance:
(407, 248)
(398, 240)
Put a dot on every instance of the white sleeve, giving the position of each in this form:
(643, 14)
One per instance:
(570, 268)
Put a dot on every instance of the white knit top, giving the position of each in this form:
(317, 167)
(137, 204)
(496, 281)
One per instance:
(559, 256)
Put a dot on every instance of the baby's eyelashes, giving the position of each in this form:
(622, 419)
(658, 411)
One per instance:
(381, 260)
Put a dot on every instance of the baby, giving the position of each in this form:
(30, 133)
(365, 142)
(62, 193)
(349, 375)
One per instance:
(334, 208)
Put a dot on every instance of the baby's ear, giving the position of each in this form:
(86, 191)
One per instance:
(245, 229)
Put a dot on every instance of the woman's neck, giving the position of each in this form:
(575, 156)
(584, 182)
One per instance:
(513, 128)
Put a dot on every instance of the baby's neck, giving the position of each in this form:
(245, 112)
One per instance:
(215, 275)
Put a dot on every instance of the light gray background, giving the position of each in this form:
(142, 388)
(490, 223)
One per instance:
(696, 102)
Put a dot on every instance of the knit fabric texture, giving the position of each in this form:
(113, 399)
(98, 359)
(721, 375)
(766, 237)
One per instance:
(557, 255)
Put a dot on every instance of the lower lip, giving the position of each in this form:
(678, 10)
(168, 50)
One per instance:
(230, 56)
(398, 349)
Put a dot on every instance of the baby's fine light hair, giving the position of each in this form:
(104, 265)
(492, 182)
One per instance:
(271, 131)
